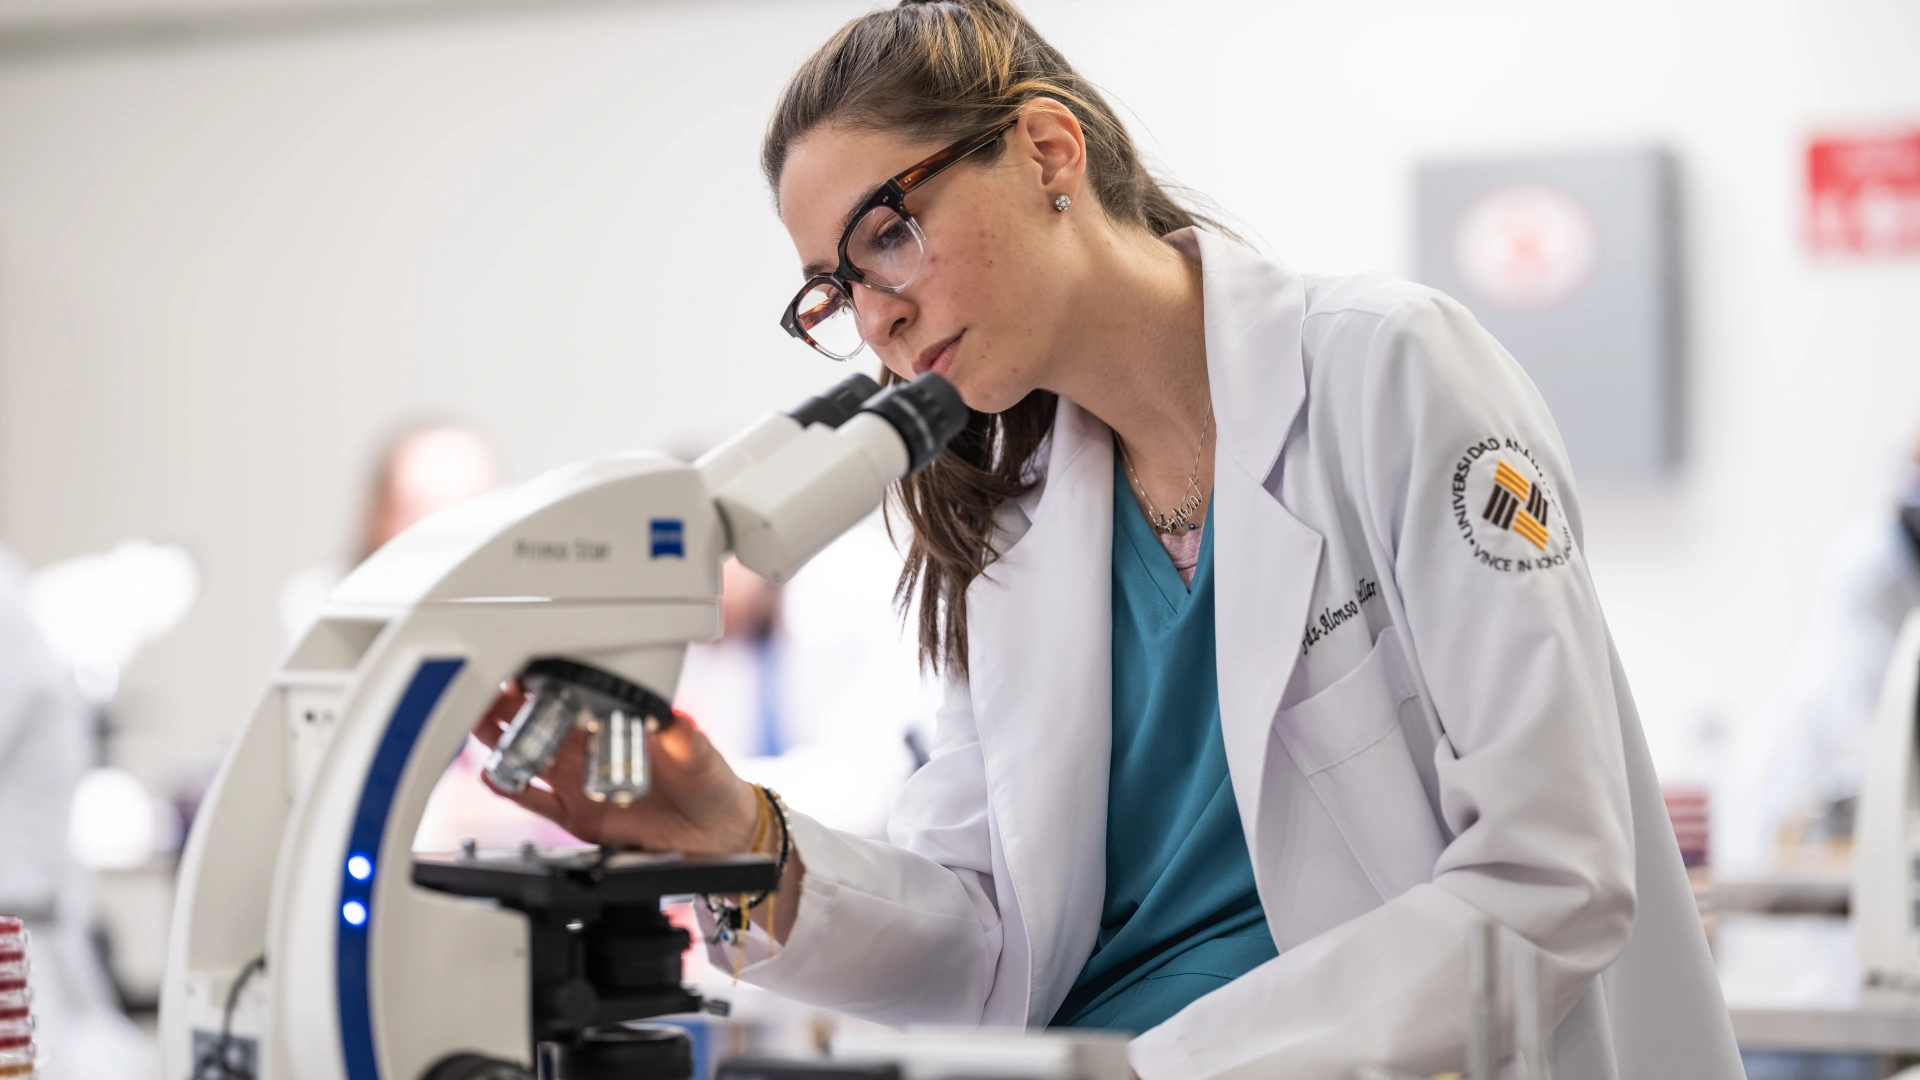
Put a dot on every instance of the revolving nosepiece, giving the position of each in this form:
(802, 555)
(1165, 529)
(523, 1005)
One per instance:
(563, 695)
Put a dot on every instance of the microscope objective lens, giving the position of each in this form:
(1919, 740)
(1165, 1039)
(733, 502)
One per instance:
(617, 757)
(534, 737)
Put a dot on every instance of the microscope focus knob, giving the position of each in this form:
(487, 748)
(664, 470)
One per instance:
(628, 1052)
(573, 1003)
(475, 1067)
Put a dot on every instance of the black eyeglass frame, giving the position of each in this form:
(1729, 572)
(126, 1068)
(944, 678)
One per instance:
(893, 196)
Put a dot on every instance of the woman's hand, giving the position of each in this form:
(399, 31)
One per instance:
(697, 805)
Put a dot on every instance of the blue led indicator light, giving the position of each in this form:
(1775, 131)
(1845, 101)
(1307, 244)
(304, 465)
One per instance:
(354, 912)
(359, 867)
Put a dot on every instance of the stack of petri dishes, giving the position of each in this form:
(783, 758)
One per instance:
(16, 1021)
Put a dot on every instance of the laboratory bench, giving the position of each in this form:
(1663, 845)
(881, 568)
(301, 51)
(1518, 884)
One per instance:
(1785, 952)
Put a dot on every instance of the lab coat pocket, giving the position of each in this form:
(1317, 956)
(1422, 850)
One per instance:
(1348, 743)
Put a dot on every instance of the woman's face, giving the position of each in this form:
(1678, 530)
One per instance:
(985, 308)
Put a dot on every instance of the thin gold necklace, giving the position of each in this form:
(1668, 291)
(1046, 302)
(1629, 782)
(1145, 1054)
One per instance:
(1180, 518)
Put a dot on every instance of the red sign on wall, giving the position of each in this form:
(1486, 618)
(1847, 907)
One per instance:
(1863, 194)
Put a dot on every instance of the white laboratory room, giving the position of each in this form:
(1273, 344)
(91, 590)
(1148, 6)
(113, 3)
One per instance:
(959, 540)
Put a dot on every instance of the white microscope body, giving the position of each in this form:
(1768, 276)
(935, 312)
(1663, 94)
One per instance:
(1886, 844)
(300, 856)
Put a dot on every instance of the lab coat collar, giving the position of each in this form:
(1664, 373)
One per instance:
(1253, 312)
(1253, 309)
(1265, 559)
(1039, 629)
(1040, 619)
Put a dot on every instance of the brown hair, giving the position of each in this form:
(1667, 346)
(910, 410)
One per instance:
(940, 71)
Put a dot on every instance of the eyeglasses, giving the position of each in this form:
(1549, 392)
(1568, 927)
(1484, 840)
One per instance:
(882, 248)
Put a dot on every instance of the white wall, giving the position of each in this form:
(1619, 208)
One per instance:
(229, 269)
(227, 266)
(1805, 385)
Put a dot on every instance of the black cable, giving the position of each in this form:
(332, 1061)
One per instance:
(222, 1047)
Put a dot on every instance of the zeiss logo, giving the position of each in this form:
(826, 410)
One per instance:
(669, 538)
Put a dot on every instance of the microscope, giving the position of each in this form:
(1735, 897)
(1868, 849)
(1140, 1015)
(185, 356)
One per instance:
(310, 943)
(1886, 835)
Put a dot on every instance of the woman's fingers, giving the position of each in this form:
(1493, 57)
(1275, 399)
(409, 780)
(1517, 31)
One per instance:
(549, 806)
(682, 755)
(680, 740)
(488, 732)
(697, 803)
(541, 801)
(569, 768)
(506, 705)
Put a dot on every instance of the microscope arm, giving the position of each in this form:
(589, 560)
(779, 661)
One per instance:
(595, 576)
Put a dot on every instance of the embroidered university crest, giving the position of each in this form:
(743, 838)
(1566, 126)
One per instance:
(1505, 511)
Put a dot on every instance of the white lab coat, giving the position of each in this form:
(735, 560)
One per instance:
(1425, 722)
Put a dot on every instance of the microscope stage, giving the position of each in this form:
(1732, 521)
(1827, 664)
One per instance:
(588, 879)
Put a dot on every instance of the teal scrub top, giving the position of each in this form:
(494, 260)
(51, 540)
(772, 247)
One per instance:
(1181, 916)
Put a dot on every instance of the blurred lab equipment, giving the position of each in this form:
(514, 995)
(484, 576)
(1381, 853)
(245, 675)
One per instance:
(16, 1000)
(1524, 1037)
(814, 687)
(1792, 794)
(1689, 808)
(98, 611)
(113, 824)
(768, 1069)
(936, 1053)
(1910, 512)
(422, 470)
(1886, 857)
(945, 1053)
(45, 748)
(367, 962)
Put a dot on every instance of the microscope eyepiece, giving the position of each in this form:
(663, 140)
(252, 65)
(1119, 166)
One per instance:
(837, 405)
(926, 412)
(781, 509)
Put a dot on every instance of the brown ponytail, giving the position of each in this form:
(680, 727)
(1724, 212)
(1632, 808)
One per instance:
(940, 71)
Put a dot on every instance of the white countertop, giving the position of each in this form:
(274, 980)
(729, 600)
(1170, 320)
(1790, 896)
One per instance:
(1792, 982)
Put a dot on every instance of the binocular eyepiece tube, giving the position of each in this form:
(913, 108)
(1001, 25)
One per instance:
(786, 506)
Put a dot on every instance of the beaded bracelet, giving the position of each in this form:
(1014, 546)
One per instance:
(732, 913)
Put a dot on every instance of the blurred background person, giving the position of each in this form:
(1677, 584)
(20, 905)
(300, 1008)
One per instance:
(424, 469)
(1790, 799)
(45, 748)
(812, 689)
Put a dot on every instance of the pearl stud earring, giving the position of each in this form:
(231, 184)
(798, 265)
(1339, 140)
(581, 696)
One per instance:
(1061, 202)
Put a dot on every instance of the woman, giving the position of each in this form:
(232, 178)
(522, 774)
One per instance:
(1275, 666)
